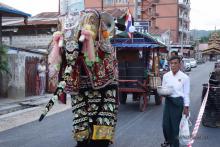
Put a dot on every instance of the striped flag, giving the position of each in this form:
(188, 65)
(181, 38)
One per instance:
(128, 22)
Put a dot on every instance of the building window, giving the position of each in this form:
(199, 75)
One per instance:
(150, 23)
(121, 1)
(150, 11)
(139, 16)
(112, 2)
(108, 2)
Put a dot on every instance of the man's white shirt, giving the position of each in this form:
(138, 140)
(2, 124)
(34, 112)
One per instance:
(180, 83)
(42, 70)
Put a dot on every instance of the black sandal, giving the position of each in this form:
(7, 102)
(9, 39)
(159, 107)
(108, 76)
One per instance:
(165, 144)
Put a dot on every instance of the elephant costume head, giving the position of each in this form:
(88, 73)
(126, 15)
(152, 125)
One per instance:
(95, 30)
(91, 31)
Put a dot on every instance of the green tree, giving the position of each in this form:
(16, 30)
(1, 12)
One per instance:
(204, 39)
(3, 59)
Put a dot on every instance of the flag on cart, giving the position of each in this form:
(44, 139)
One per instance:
(128, 22)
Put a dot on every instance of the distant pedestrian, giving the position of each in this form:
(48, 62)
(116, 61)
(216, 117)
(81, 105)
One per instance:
(162, 61)
(176, 103)
(164, 64)
(150, 64)
(41, 69)
(174, 53)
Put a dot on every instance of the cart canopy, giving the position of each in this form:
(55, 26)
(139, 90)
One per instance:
(138, 40)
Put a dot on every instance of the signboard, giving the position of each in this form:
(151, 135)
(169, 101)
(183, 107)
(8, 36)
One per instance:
(70, 12)
(141, 26)
(71, 6)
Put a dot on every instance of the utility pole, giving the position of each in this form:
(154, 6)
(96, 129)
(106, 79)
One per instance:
(136, 9)
(102, 5)
(169, 39)
(181, 50)
(59, 7)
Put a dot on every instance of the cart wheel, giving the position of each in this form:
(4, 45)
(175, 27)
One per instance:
(157, 98)
(123, 98)
(136, 97)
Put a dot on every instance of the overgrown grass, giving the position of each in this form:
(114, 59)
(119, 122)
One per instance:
(4, 59)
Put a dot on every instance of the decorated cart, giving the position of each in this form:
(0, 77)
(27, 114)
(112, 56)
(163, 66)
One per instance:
(138, 61)
(211, 117)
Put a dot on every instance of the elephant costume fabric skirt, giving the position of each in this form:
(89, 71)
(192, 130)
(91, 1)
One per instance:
(94, 115)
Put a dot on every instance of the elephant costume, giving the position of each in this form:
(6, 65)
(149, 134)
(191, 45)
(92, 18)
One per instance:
(89, 73)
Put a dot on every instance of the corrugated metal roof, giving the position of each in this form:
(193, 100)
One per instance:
(116, 12)
(47, 15)
(157, 31)
(6, 10)
(138, 40)
(33, 22)
(145, 45)
(44, 18)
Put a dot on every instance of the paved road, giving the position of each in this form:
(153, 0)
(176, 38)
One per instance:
(134, 129)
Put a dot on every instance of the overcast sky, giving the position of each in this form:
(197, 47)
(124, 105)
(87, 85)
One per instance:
(204, 14)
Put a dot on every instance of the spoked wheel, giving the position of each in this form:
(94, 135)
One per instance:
(123, 98)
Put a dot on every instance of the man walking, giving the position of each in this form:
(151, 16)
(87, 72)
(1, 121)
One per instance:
(175, 104)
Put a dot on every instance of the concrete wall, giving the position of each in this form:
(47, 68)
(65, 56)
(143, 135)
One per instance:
(16, 83)
(28, 41)
(14, 86)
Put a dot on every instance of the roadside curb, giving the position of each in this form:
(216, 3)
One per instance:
(21, 117)
(10, 106)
